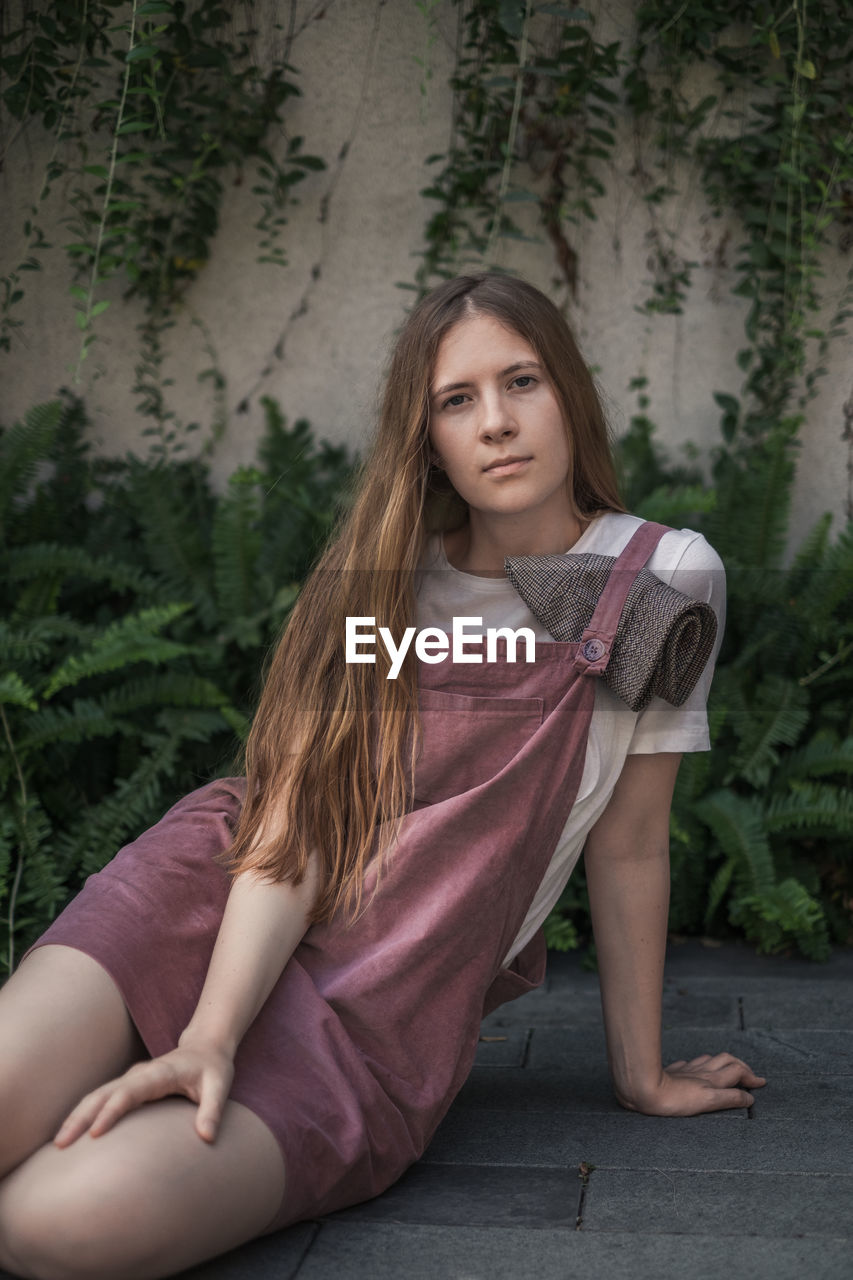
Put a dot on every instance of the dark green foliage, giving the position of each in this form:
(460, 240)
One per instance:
(766, 819)
(137, 608)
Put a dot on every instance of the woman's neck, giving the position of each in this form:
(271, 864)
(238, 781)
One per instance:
(480, 546)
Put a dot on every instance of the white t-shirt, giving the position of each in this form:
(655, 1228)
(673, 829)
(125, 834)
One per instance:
(682, 559)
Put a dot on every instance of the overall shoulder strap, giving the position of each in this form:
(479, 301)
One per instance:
(596, 641)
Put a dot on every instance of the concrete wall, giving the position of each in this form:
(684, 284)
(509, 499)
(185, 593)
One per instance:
(315, 334)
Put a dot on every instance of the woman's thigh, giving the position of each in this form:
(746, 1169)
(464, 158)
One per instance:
(146, 1199)
(64, 1029)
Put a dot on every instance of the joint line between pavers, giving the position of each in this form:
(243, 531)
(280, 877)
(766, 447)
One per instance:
(318, 1227)
(525, 1056)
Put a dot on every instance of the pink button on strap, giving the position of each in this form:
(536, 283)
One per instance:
(593, 650)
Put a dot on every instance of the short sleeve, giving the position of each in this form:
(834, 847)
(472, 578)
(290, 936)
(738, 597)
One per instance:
(696, 570)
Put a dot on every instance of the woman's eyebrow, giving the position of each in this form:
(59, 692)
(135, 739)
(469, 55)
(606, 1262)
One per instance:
(511, 368)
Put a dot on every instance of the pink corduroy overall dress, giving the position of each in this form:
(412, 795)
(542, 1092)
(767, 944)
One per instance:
(372, 1028)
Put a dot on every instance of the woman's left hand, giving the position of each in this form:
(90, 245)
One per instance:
(706, 1083)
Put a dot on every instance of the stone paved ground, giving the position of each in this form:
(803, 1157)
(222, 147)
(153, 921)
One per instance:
(764, 1194)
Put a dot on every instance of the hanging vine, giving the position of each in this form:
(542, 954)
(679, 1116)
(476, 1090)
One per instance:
(152, 110)
(533, 123)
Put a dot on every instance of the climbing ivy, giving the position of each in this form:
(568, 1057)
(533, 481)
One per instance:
(533, 96)
(152, 106)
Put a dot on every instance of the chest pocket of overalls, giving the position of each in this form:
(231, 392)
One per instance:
(466, 740)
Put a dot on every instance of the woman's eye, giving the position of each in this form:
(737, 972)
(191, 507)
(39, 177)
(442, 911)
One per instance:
(453, 402)
(523, 379)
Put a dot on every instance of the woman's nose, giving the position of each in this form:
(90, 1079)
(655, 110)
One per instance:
(497, 423)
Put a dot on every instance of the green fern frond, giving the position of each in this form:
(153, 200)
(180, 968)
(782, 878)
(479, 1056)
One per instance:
(811, 551)
(52, 559)
(827, 590)
(135, 803)
(34, 882)
(785, 912)
(29, 640)
(560, 933)
(811, 808)
(774, 492)
(15, 691)
(83, 721)
(173, 531)
(236, 543)
(778, 714)
(130, 639)
(728, 703)
(749, 524)
(718, 888)
(191, 724)
(22, 448)
(166, 689)
(737, 824)
(677, 505)
(823, 754)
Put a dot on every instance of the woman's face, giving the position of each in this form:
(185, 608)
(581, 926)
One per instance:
(496, 424)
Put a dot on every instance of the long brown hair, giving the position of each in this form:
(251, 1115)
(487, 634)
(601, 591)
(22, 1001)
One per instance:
(330, 755)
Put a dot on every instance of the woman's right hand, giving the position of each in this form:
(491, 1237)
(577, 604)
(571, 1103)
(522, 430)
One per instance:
(200, 1071)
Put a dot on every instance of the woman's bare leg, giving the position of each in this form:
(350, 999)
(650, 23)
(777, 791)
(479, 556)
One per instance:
(64, 1029)
(146, 1199)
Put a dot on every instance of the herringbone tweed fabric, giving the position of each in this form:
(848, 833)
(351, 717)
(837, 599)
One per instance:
(663, 640)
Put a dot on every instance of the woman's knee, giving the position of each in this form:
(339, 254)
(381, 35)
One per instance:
(51, 1233)
(68, 1216)
(148, 1198)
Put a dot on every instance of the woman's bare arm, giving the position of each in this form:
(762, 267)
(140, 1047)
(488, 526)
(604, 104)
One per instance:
(627, 870)
(261, 927)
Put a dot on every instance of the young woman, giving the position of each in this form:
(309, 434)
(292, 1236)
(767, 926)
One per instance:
(290, 972)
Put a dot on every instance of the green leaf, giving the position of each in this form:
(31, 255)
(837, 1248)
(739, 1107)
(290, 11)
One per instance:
(99, 308)
(140, 52)
(135, 126)
(511, 17)
(133, 638)
(738, 825)
(14, 690)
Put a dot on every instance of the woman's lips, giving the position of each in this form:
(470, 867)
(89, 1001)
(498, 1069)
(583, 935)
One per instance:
(508, 468)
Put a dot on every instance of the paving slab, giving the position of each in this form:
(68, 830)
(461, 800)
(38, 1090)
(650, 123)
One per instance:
(824, 1052)
(557, 1093)
(723, 1141)
(476, 1195)
(275, 1257)
(693, 958)
(350, 1251)
(503, 1046)
(768, 1204)
(799, 1095)
(684, 1004)
(804, 1005)
(807, 1097)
